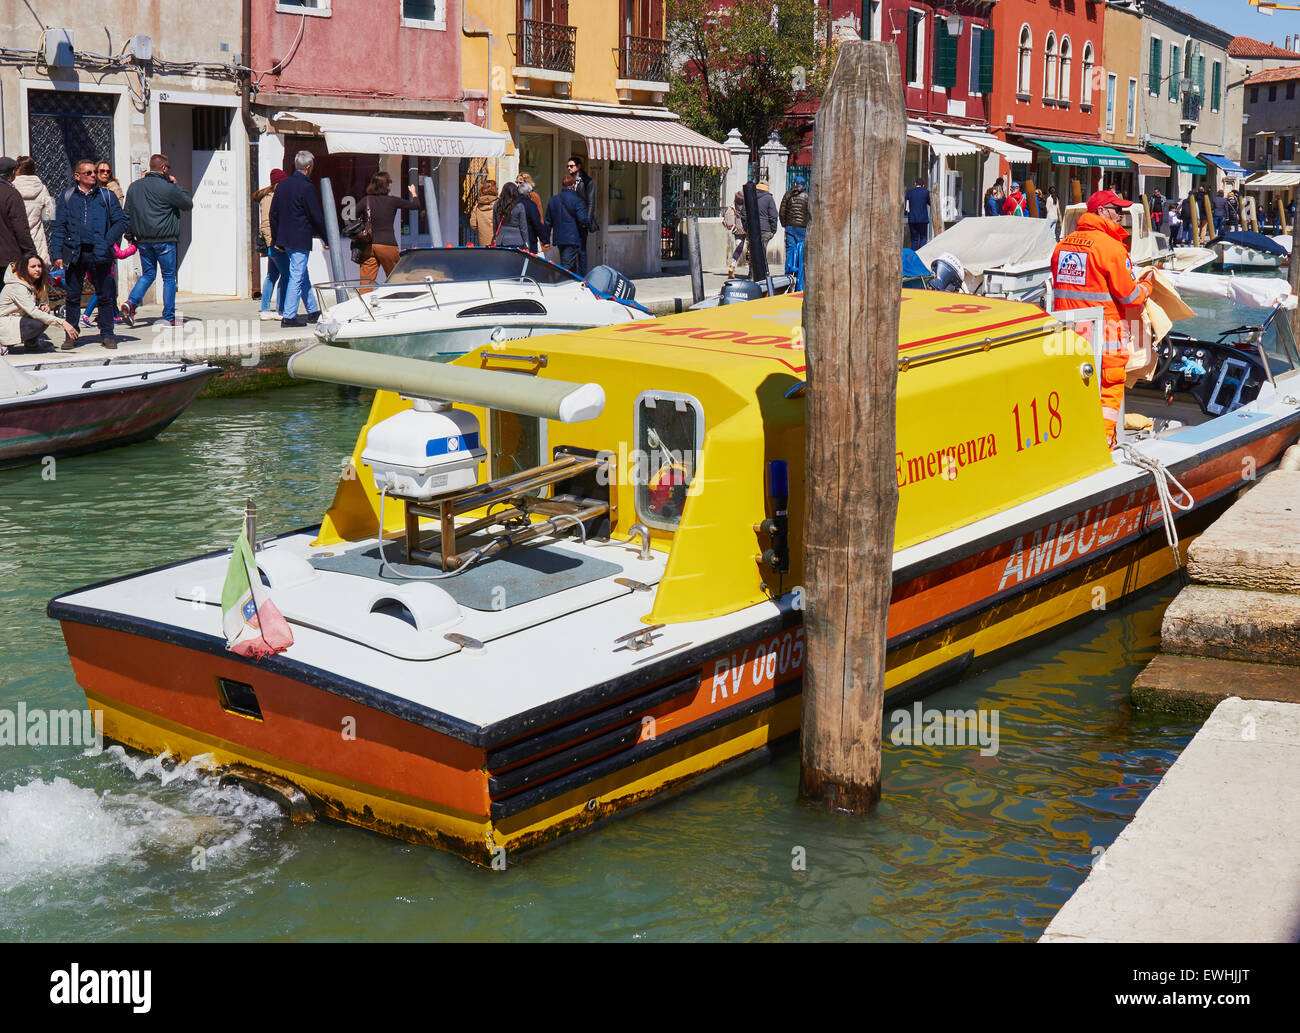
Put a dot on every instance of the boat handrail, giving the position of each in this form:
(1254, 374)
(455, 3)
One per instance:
(136, 376)
(983, 344)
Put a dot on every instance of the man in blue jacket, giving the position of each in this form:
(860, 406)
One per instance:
(918, 213)
(88, 222)
(296, 217)
(566, 219)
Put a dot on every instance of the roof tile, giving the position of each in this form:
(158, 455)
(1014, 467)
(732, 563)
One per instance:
(1244, 46)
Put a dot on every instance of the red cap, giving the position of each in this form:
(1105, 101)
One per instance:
(1102, 198)
(277, 175)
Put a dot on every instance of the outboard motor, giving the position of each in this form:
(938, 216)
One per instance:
(610, 283)
(949, 275)
(734, 291)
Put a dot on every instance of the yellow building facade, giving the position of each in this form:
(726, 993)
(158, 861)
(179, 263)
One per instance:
(586, 79)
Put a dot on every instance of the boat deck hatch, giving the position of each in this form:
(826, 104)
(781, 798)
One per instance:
(498, 584)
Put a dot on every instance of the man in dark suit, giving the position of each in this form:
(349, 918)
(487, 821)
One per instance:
(88, 222)
(585, 187)
(296, 217)
(566, 215)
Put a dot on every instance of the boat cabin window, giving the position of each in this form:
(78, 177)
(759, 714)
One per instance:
(669, 435)
(1278, 344)
(516, 443)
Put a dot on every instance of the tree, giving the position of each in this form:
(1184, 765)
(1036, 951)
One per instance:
(745, 64)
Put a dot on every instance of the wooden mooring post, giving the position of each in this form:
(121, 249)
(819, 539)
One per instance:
(850, 320)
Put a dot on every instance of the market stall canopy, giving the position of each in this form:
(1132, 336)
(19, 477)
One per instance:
(1185, 161)
(949, 146)
(366, 134)
(1083, 154)
(650, 141)
(1012, 152)
(1223, 163)
(1274, 181)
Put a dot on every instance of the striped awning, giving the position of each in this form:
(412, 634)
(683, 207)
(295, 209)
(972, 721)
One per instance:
(1014, 154)
(949, 146)
(1150, 166)
(1274, 181)
(649, 141)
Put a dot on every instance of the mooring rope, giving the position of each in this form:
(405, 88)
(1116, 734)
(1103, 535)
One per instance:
(1163, 478)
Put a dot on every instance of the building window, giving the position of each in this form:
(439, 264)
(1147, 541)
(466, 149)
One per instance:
(869, 20)
(624, 197)
(915, 47)
(1272, 93)
(1085, 86)
(1290, 91)
(1200, 79)
(643, 53)
(1254, 94)
(1025, 71)
(1064, 91)
(424, 14)
(1130, 126)
(1154, 71)
(1216, 85)
(316, 8)
(1111, 80)
(1049, 68)
(981, 60)
(1250, 149)
(1174, 66)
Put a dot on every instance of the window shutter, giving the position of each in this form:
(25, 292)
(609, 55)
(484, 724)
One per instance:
(1216, 83)
(1200, 77)
(1154, 85)
(911, 47)
(986, 61)
(945, 54)
(1175, 73)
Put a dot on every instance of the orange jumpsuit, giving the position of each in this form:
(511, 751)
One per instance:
(1091, 267)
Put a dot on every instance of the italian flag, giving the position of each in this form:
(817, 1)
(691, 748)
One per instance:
(253, 625)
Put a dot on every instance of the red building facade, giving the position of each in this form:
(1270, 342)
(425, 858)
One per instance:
(1047, 77)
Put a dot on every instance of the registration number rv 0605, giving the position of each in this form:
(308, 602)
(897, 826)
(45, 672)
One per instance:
(756, 669)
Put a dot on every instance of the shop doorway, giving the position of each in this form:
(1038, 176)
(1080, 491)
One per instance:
(196, 139)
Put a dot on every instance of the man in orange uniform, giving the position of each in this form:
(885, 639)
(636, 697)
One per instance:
(1091, 267)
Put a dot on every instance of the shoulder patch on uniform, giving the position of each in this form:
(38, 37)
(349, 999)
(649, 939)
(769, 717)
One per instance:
(1071, 267)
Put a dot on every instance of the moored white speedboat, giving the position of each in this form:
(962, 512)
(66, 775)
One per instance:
(68, 410)
(439, 303)
(611, 613)
(1242, 249)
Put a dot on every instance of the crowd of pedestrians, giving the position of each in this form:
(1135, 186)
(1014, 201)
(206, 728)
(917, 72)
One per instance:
(81, 237)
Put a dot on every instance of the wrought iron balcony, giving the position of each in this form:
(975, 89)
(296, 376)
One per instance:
(644, 58)
(1191, 109)
(546, 45)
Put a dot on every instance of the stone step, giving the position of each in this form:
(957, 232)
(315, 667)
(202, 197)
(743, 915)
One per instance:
(1190, 687)
(1256, 543)
(1233, 624)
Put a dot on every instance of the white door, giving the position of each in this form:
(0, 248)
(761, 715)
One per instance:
(208, 266)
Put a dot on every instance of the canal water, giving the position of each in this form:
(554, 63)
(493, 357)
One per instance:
(964, 846)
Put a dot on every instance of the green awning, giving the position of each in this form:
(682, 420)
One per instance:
(1082, 154)
(1186, 162)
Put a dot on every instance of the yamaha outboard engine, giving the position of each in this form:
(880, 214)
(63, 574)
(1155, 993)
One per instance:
(948, 274)
(610, 283)
(734, 291)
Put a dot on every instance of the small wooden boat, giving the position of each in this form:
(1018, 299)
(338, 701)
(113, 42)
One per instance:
(611, 612)
(68, 410)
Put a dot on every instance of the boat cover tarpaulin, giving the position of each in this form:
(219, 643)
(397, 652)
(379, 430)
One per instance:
(1257, 292)
(14, 383)
(913, 267)
(1256, 241)
(988, 241)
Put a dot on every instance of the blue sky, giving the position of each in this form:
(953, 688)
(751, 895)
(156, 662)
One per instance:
(1239, 18)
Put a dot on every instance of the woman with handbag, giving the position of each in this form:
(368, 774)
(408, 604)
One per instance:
(376, 241)
(277, 262)
(516, 219)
